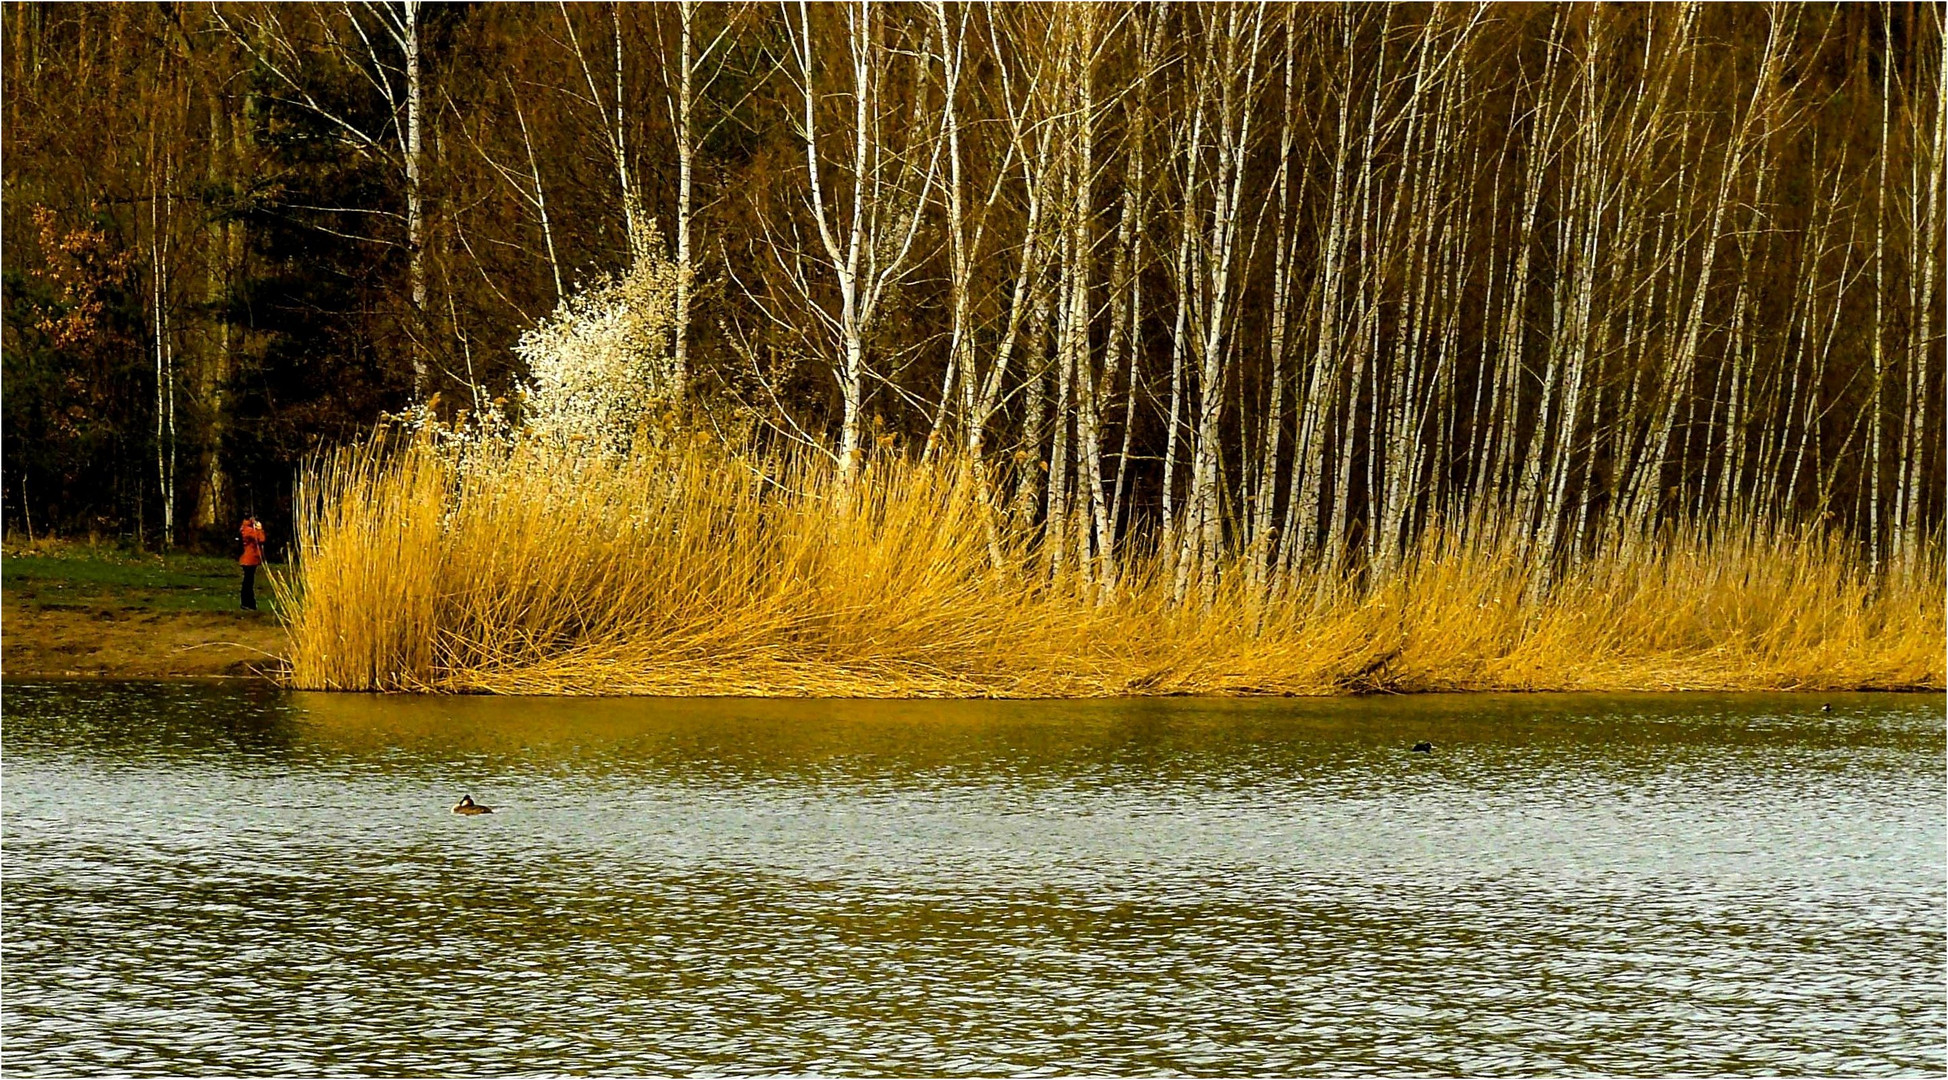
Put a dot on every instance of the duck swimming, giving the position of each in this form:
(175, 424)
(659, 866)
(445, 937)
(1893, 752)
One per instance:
(466, 805)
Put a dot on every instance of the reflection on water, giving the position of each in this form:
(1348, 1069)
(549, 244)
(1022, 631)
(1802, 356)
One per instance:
(236, 880)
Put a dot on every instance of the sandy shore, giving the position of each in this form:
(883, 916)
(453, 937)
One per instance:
(101, 642)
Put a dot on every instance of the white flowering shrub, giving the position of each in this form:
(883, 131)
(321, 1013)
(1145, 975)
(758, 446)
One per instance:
(602, 365)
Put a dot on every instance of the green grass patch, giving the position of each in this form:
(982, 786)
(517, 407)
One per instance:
(82, 576)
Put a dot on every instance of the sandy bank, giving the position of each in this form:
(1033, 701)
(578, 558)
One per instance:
(102, 642)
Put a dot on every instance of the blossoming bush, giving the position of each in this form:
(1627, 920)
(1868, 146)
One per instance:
(602, 366)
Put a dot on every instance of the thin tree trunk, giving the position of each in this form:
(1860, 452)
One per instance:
(212, 385)
(1923, 321)
(1880, 295)
(1259, 535)
(1302, 507)
(1193, 152)
(415, 201)
(685, 210)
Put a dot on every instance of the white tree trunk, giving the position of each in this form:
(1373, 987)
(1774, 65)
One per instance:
(415, 208)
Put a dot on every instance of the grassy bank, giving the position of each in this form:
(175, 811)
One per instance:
(77, 609)
(714, 572)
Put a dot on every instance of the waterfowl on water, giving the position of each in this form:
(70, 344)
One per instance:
(1423, 747)
(466, 805)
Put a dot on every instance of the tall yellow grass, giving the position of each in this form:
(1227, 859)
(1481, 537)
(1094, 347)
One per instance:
(713, 571)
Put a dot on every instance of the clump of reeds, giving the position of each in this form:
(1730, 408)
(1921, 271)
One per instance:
(703, 570)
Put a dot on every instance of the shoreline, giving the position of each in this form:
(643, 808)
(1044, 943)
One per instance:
(246, 672)
(98, 643)
(73, 613)
(271, 682)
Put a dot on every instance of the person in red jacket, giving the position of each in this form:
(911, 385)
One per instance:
(253, 557)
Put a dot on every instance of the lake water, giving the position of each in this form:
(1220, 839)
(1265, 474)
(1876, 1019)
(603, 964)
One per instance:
(232, 879)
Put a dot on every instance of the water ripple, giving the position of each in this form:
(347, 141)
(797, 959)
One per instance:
(202, 880)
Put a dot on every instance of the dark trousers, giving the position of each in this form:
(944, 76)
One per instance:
(250, 588)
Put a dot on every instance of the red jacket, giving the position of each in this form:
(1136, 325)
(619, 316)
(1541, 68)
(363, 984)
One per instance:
(253, 538)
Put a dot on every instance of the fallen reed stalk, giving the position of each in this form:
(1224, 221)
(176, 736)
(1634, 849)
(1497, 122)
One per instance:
(719, 572)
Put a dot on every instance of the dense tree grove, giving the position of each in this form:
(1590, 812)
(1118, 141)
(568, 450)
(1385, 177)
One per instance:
(1297, 282)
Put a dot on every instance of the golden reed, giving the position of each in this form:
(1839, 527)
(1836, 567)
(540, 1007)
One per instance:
(719, 572)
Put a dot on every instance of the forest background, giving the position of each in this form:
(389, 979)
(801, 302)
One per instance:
(1304, 282)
